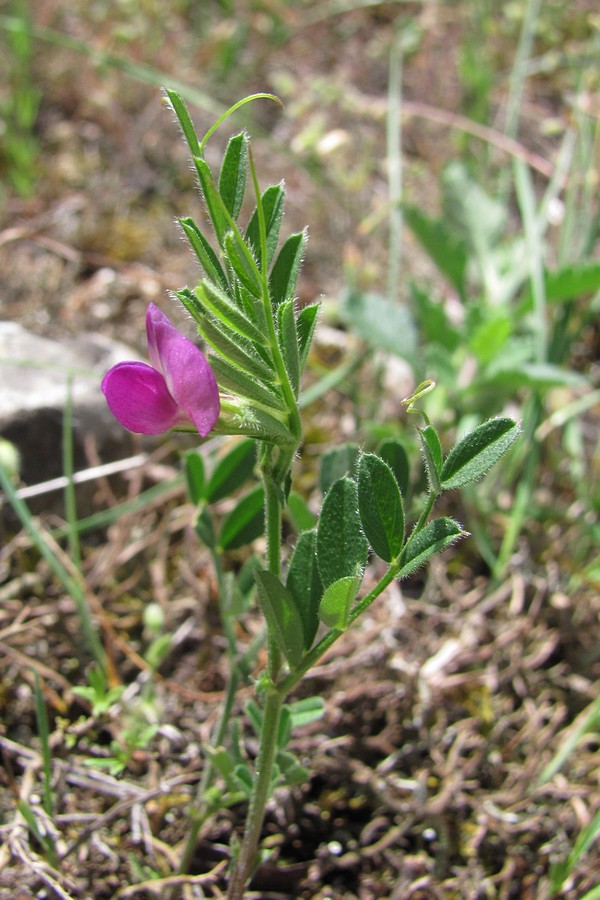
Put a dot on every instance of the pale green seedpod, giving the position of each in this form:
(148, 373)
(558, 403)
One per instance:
(154, 618)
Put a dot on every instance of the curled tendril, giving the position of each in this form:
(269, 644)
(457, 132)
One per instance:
(234, 108)
(409, 402)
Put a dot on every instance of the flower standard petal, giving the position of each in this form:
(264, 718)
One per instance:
(189, 377)
(138, 397)
(155, 317)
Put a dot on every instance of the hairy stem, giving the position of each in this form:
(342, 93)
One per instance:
(260, 795)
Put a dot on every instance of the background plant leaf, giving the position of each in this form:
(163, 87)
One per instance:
(232, 471)
(383, 323)
(245, 522)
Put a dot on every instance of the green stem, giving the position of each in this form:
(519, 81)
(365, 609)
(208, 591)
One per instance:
(274, 699)
(260, 795)
(272, 515)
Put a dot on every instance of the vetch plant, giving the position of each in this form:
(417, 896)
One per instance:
(258, 343)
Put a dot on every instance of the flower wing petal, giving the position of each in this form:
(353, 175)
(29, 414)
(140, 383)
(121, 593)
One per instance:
(188, 375)
(138, 397)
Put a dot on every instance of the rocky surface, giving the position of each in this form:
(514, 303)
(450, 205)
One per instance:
(37, 377)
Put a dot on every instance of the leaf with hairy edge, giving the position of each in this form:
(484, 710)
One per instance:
(304, 584)
(205, 253)
(272, 204)
(180, 110)
(393, 452)
(306, 323)
(245, 522)
(341, 546)
(380, 507)
(230, 473)
(212, 198)
(282, 616)
(243, 263)
(264, 426)
(221, 307)
(477, 452)
(288, 341)
(232, 379)
(241, 353)
(232, 179)
(337, 601)
(432, 455)
(435, 536)
(284, 274)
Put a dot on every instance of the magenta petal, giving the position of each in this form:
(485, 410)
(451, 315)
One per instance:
(189, 377)
(139, 399)
(155, 317)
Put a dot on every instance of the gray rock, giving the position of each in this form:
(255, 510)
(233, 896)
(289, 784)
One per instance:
(34, 387)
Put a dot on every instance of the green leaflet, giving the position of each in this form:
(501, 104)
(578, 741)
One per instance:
(272, 204)
(304, 584)
(195, 476)
(243, 263)
(393, 452)
(204, 528)
(341, 546)
(180, 110)
(244, 354)
(432, 455)
(288, 341)
(285, 271)
(447, 251)
(219, 304)
(306, 322)
(382, 322)
(432, 319)
(380, 507)
(477, 452)
(306, 710)
(435, 536)
(337, 601)
(214, 204)
(245, 522)
(242, 385)
(337, 461)
(300, 515)
(282, 616)
(230, 473)
(205, 253)
(232, 179)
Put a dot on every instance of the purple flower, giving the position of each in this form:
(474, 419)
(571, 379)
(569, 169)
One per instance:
(179, 387)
